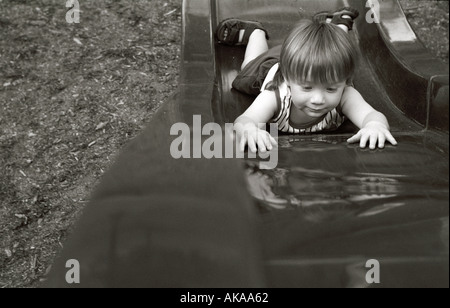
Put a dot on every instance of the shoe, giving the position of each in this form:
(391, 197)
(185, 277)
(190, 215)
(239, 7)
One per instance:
(228, 30)
(336, 17)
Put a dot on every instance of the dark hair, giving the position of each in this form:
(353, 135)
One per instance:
(316, 51)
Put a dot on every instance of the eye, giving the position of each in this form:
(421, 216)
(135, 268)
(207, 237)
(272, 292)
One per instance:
(306, 88)
(332, 90)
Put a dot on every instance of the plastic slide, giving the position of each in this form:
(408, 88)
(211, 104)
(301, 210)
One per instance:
(327, 215)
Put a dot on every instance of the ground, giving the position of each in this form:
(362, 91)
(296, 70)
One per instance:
(71, 97)
(429, 19)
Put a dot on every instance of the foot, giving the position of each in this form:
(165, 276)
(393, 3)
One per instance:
(240, 38)
(343, 17)
(235, 32)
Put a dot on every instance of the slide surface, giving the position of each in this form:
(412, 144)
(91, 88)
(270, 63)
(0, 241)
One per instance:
(329, 207)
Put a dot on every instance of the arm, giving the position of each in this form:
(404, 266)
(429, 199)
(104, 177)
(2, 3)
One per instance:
(250, 126)
(374, 126)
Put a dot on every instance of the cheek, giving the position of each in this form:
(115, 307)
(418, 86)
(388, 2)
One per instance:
(334, 99)
(299, 98)
(300, 101)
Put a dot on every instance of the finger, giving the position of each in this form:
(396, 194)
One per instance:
(262, 138)
(363, 142)
(391, 138)
(243, 143)
(252, 144)
(355, 138)
(381, 140)
(268, 142)
(273, 141)
(261, 143)
(373, 141)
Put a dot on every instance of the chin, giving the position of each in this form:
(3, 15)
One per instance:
(315, 114)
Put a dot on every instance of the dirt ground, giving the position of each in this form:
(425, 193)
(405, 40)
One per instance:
(72, 95)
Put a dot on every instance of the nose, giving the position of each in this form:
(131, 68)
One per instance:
(318, 98)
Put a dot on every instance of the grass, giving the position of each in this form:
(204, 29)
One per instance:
(72, 95)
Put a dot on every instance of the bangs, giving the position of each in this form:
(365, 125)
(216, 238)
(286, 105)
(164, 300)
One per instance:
(318, 53)
(319, 69)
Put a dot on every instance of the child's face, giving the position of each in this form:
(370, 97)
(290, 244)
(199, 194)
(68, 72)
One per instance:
(316, 100)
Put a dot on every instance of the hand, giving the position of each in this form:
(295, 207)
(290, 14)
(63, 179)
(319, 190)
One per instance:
(256, 139)
(373, 132)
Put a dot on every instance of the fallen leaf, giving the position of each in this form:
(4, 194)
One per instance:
(101, 125)
(8, 253)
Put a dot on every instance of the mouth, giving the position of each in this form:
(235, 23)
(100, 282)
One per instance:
(316, 110)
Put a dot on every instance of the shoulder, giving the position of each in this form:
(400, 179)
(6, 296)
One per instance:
(270, 76)
(349, 91)
(273, 70)
(350, 95)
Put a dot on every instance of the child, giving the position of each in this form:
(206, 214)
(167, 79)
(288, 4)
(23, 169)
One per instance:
(305, 85)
